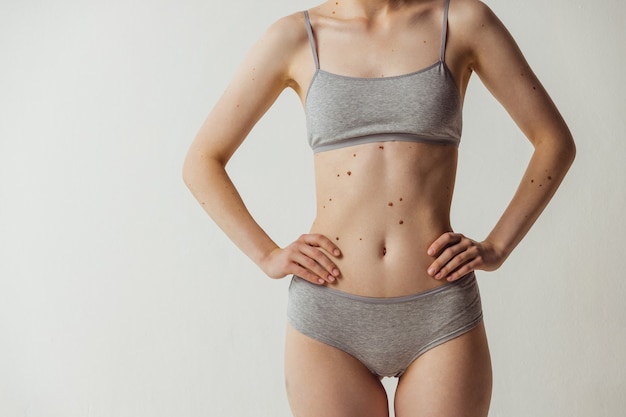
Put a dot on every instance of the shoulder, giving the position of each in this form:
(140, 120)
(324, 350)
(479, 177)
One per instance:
(469, 16)
(477, 28)
(470, 11)
(287, 33)
(276, 52)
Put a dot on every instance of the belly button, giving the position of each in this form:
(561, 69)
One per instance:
(384, 251)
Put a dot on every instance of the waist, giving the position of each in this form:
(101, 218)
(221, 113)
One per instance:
(382, 257)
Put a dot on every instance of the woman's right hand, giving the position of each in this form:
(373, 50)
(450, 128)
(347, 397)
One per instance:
(304, 258)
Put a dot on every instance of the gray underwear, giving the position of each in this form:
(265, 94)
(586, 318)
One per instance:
(385, 334)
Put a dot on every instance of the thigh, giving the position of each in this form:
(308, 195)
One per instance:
(450, 380)
(324, 381)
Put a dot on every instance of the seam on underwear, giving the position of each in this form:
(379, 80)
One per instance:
(443, 339)
(308, 90)
(332, 343)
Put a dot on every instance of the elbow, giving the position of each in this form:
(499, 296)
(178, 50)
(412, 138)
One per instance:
(199, 167)
(193, 169)
(558, 147)
(569, 150)
(188, 169)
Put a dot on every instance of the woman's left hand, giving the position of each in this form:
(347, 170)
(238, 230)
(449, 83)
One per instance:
(456, 255)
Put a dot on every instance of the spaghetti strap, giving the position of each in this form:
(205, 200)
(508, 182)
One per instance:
(444, 32)
(309, 31)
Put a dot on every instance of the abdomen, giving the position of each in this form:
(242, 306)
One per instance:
(383, 204)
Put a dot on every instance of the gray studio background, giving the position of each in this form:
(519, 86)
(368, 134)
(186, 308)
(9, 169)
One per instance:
(120, 298)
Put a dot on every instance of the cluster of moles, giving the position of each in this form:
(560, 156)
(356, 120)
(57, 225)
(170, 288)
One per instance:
(389, 203)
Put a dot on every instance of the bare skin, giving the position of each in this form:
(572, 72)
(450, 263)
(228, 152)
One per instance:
(382, 227)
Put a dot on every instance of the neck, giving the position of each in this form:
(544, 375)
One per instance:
(371, 8)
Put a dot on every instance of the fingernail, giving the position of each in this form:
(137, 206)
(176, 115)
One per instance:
(336, 252)
(331, 278)
(431, 252)
(336, 272)
(431, 271)
(321, 281)
(438, 276)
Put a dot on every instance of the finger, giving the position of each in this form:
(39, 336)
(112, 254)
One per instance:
(323, 242)
(443, 241)
(313, 266)
(304, 273)
(321, 258)
(449, 253)
(452, 258)
(464, 269)
(465, 252)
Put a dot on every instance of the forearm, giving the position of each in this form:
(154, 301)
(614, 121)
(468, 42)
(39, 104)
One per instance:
(546, 169)
(211, 186)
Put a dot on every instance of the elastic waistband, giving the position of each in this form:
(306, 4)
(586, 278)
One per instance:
(464, 281)
(382, 137)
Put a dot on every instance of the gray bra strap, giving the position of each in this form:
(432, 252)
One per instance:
(444, 33)
(309, 31)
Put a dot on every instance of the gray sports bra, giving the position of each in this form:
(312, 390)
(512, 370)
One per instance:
(422, 106)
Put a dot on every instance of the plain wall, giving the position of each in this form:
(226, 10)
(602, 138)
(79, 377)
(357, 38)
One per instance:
(120, 297)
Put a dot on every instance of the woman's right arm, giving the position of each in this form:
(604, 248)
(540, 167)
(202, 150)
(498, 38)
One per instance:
(264, 74)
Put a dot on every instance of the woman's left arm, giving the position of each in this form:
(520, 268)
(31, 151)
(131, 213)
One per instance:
(497, 60)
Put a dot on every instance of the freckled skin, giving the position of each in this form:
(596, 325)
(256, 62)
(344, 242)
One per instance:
(407, 180)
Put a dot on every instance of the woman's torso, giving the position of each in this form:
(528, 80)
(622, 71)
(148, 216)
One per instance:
(383, 203)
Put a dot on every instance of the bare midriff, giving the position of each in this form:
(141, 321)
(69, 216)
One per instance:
(384, 204)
